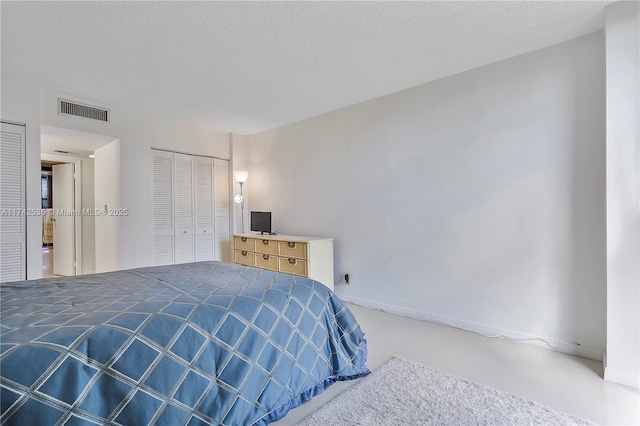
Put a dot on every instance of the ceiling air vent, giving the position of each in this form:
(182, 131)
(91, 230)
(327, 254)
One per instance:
(85, 111)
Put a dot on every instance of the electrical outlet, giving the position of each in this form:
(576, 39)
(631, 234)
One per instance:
(346, 278)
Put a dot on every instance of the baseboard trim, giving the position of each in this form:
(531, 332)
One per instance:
(621, 377)
(485, 330)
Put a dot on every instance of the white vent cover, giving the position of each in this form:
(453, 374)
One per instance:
(85, 111)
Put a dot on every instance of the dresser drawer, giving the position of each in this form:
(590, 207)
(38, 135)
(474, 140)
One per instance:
(267, 261)
(266, 246)
(292, 249)
(291, 265)
(310, 257)
(244, 257)
(244, 243)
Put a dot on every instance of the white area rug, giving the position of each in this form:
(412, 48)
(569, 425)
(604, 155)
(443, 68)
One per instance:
(401, 392)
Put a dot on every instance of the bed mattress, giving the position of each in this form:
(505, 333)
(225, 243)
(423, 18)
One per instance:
(198, 343)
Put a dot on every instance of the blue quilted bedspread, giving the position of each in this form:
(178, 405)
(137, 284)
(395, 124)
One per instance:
(199, 343)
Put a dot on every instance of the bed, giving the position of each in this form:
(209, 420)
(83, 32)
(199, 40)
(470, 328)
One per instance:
(191, 344)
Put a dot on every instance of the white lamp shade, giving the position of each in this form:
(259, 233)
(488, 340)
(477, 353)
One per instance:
(238, 198)
(241, 176)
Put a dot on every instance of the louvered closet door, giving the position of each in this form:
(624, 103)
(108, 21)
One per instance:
(222, 212)
(162, 208)
(203, 175)
(183, 208)
(12, 202)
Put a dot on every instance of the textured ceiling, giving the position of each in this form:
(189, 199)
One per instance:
(245, 67)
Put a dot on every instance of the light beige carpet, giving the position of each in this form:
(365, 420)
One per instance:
(402, 392)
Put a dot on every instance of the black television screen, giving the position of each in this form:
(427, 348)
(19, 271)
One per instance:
(261, 222)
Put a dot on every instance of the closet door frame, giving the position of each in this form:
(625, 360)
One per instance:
(221, 212)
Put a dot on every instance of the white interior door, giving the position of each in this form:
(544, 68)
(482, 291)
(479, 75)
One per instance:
(64, 220)
(162, 208)
(183, 208)
(203, 175)
(191, 214)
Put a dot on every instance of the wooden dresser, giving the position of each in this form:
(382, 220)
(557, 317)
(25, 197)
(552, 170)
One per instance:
(304, 256)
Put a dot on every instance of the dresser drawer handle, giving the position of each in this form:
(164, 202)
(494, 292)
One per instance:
(265, 256)
(243, 239)
(243, 252)
(265, 242)
(291, 244)
(292, 261)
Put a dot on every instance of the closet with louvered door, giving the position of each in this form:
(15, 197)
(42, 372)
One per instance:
(183, 210)
(13, 264)
(162, 208)
(191, 208)
(203, 178)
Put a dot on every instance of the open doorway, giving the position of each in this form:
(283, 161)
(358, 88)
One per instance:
(62, 207)
(68, 200)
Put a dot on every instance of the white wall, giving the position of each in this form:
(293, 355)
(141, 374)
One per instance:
(133, 127)
(88, 221)
(137, 134)
(20, 104)
(137, 196)
(622, 29)
(476, 200)
(240, 161)
(107, 169)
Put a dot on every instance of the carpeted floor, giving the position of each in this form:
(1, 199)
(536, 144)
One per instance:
(401, 392)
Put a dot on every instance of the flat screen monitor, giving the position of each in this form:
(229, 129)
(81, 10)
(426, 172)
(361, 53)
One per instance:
(261, 222)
